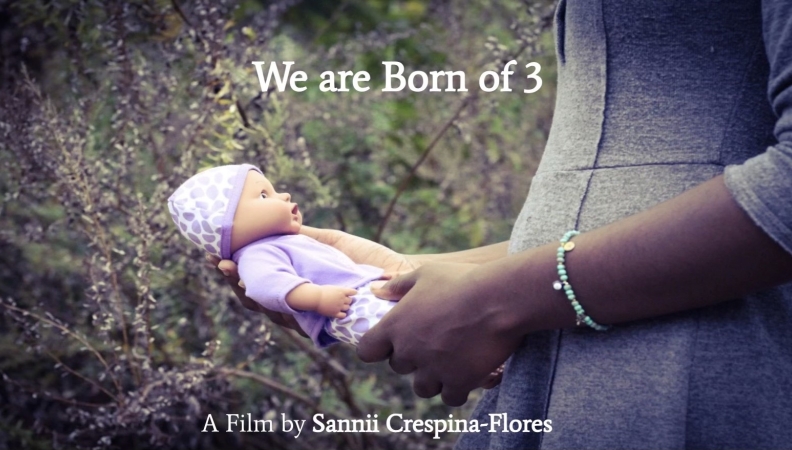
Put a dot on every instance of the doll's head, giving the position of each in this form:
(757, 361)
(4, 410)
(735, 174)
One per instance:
(225, 208)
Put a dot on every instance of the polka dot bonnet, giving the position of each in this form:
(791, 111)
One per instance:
(203, 207)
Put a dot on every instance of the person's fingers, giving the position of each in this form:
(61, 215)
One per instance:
(426, 386)
(376, 286)
(275, 317)
(322, 235)
(229, 269)
(402, 284)
(283, 320)
(350, 292)
(397, 287)
(391, 275)
(291, 322)
(454, 396)
(492, 380)
(311, 232)
(340, 315)
(401, 366)
(375, 345)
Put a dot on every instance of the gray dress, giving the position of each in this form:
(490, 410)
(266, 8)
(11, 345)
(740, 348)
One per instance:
(655, 97)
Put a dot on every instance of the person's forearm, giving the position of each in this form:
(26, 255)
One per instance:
(695, 250)
(478, 255)
(363, 251)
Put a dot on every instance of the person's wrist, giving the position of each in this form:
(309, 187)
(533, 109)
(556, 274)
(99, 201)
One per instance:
(497, 302)
(523, 284)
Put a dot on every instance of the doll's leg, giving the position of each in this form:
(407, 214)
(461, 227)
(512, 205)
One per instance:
(364, 312)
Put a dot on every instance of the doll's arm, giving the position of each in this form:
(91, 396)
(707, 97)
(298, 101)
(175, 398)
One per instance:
(268, 277)
(329, 301)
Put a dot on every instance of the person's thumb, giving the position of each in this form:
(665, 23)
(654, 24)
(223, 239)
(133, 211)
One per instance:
(396, 287)
(229, 269)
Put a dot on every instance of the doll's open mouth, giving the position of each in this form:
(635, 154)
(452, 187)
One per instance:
(295, 209)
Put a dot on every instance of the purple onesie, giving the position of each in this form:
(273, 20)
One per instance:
(203, 209)
(271, 267)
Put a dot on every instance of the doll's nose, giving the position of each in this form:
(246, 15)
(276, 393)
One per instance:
(285, 196)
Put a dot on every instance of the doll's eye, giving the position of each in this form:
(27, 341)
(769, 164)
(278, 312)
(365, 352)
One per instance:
(263, 195)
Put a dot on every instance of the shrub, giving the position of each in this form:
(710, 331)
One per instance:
(116, 332)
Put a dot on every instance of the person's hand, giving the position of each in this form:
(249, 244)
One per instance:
(447, 328)
(334, 301)
(229, 270)
(493, 379)
(364, 251)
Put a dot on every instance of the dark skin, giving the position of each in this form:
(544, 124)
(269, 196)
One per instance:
(361, 251)
(695, 250)
(366, 252)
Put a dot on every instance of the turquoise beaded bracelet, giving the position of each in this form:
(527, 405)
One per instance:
(563, 282)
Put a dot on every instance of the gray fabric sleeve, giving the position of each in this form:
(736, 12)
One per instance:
(762, 185)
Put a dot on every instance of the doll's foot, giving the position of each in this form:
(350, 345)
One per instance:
(493, 379)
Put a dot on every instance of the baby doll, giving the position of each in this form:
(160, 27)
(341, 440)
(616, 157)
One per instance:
(235, 213)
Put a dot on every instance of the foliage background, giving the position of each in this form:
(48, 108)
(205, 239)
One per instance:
(115, 332)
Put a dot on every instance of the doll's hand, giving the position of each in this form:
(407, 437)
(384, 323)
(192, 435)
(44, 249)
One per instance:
(229, 270)
(363, 251)
(334, 301)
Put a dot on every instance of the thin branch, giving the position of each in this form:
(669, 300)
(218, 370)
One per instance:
(545, 22)
(99, 236)
(180, 11)
(242, 114)
(406, 180)
(275, 386)
(322, 357)
(337, 373)
(55, 397)
(81, 376)
(69, 332)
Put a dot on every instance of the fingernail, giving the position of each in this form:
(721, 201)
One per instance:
(241, 284)
(377, 284)
(225, 272)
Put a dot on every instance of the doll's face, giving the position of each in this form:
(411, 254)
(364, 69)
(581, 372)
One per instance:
(263, 212)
